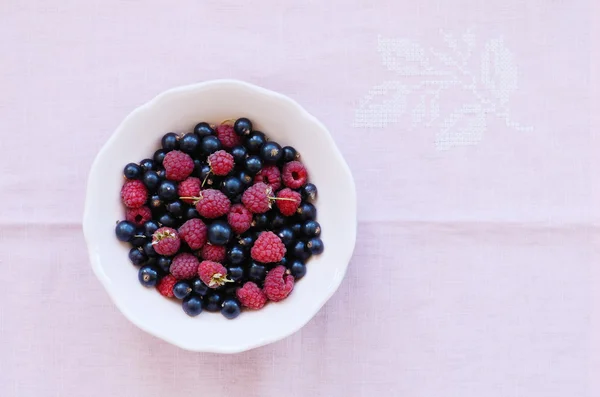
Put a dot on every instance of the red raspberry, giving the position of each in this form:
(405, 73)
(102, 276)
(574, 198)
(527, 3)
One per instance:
(251, 296)
(221, 162)
(193, 232)
(257, 198)
(215, 253)
(134, 193)
(165, 286)
(212, 203)
(189, 188)
(268, 248)
(227, 136)
(166, 241)
(278, 284)
(289, 201)
(178, 165)
(138, 216)
(213, 274)
(239, 218)
(270, 175)
(184, 266)
(294, 174)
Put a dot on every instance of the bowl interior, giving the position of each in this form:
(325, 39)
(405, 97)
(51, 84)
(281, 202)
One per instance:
(179, 110)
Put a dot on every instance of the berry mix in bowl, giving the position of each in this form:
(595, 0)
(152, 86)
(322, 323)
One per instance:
(238, 207)
(221, 218)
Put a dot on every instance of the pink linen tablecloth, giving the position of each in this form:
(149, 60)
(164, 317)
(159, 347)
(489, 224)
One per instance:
(470, 128)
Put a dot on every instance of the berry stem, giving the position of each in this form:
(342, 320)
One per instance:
(283, 198)
(206, 178)
(228, 121)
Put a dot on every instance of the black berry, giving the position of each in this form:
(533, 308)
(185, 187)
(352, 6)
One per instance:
(203, 129)
(155, 202)
(132, 171)
(191, 213)
(150, 227)
(230, 309)
(245, 178)
(167, 190)
(289, 154)
(311, 229)
(232, 186)
(299, 250)
(287, 236)
(199, 287)
(137, 256)
(148, 276)
(255, 141)
(164, 263)
(149, 250)
(270, 152)
(236, 273)
(213, 302)
(169, 142)
(147, 165)
(306, 212)
(151, 180)
(253, 164)
(167, 219)
(239, 153)
(210, 144)
(257, 273)
(182, 289)
(219, 233)
(189, 143)
(236, 255)
(315, 246)
(192, 305)
(175, 208)
(297, 269)
(308, 192)
(159, 156)
(125, 230)
(242, 126)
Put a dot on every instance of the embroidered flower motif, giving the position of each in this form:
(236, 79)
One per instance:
(440, 88)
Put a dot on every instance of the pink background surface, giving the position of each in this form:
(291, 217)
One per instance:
(475, 266)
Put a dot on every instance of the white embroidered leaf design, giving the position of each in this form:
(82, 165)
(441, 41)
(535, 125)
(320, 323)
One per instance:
(464, 126)
(432, 79)
(402, 56)
(384, 104)
(498, 70)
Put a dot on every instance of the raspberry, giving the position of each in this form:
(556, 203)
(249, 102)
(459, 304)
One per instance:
(134, 193)
(166, 241)
(288, 202)
(278, 284)
(221, 162)
(215, 253)
(227, 136)
(184, 266)
(178, 165)
(189, 188)
(294, 174)
(193, 232)
(213, 274)
(239, 218)
(270, 175)
(138, 216)
(165, 286)
(212, 203)
(268, 248)
(257, 198)
(251, 296)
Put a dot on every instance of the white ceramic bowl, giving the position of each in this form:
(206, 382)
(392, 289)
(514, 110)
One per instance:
(179, 109)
